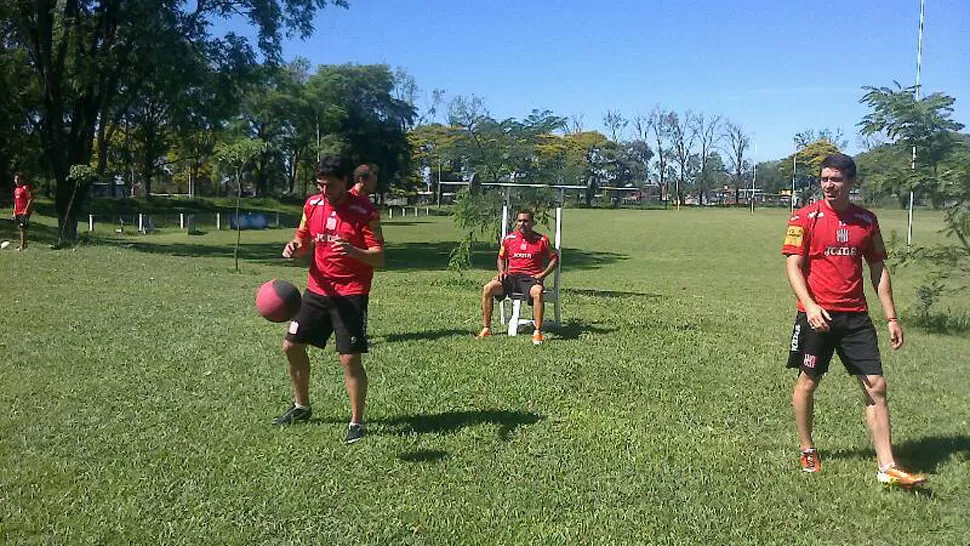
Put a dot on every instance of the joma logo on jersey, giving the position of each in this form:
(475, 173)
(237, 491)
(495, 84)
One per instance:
(841, 251)
(522, 255)
(325, 238)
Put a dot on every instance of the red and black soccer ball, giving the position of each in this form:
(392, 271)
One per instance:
(278, 301)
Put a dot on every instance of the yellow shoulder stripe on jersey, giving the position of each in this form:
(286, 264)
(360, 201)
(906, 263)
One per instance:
(794, 236)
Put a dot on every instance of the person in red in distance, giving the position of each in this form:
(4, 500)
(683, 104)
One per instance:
(824, 247)
(365, 180)
(344, 232)
(525, 259)
(23, 207)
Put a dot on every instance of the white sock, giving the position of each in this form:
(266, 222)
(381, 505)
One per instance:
(355, 424)
(300, 406)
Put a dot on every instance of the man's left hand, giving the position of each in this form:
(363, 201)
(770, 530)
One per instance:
(895, 335)
(342, 247)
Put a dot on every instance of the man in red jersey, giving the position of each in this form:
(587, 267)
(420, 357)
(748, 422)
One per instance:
(344, 231)
(824, 247)
(23, 207)
(525, 259)
(365, 180)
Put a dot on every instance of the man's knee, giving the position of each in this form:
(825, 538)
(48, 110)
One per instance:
(536, 293)
(352, 361)
(292, 347)
(806, 384)
(492, 288)
(875, 386)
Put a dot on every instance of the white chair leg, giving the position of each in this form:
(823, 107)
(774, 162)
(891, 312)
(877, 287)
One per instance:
(501, 311)
(514, 321)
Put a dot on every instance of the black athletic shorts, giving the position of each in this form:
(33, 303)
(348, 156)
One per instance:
(320, 316)
(517, 284)
(23, 221)
(852, 335)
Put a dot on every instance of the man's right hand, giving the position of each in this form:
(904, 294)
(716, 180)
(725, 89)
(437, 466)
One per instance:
(293, 249)
(818, 318)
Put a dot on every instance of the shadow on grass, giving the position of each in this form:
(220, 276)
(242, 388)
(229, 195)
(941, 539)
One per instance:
(434, 256)
(573, 328)
(920, 455)
(423, 456)
(426, 335)
(430, 256)
(253, 252)
(38, 235)
(611, 294)
(453, 421)
(385, 222)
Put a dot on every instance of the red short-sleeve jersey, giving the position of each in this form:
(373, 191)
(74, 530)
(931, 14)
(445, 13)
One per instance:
(22, 200)
(526, 255)
(834, 244)
(355, 220)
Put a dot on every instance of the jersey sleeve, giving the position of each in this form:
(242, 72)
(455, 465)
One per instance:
(502, 253)
(302, 233)
(373, 234)
(549, 251)
(876, 250)
(796, 238)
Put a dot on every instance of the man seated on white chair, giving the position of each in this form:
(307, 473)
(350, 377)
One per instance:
(525, 259)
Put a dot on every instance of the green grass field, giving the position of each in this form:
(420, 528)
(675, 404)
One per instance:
(137, 386)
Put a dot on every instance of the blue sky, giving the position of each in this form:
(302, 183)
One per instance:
(775, 67)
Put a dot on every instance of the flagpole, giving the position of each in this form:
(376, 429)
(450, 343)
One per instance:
(754, 180)
(919, 64)
(794, 166)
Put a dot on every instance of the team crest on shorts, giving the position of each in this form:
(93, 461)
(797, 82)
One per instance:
(809, 361)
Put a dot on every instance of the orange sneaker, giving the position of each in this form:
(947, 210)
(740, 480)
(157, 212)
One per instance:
(484, 333)
(537, 338)
(894, 475)
(810, 460)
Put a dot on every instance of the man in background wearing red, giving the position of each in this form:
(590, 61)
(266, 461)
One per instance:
(365, 180)
(525, 259)
(23, 207)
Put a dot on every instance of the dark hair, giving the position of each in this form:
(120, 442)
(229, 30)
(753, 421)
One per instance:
(334, 165)
(525, 211)
(842, 162)
(364, 170)
(19, 174)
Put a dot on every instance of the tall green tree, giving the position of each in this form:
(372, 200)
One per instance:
(361, 115)
(86, 54)
(923, 127)
(738, 142)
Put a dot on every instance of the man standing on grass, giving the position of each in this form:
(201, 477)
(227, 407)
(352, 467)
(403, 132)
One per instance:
(23, 207)
(525, 259)
(345, 232)
(365, 181)
(824, 247)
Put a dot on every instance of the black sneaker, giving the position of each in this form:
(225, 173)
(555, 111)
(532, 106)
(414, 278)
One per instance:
(292, 415)
(355, 433)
